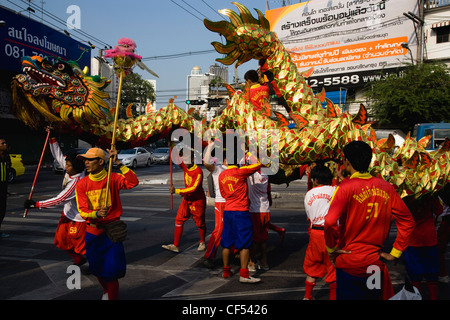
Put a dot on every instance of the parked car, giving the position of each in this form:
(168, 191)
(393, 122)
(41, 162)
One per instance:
(57, 168)
(17, 167)
(135, 157)
(437, 131)
(399, 136)
(161, 155)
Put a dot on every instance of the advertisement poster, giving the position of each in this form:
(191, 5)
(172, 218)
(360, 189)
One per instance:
(22, 36)
(348, 42)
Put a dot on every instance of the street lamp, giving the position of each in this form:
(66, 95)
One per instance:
(405, 46)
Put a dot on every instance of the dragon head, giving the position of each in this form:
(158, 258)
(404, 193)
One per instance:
(58, 91)
(247, 38)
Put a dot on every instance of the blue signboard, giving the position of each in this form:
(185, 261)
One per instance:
(22, 36)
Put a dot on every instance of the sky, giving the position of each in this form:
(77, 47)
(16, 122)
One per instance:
(159, 28)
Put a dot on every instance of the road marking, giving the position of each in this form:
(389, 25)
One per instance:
(149, 209)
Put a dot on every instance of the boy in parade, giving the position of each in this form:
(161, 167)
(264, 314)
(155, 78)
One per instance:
(193, 202)
(260, 200)
(257, 90)
(317, 201)
(71, 230)
(219, 204)
(237, 223)
(422, 255)
(105, 252)
(358, 223)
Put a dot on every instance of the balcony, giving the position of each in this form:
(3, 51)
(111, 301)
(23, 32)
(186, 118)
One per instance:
(434, 4)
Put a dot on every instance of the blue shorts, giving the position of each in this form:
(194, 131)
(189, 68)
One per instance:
(350, 287)
(106, 258)
(422, 262)
(237, 230)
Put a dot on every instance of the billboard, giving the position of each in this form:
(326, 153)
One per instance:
(22, 36)
(348, 42)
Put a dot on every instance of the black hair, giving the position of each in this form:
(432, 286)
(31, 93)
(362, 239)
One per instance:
(359, 154)
(77, 163)
(322, 174)
(251, 75)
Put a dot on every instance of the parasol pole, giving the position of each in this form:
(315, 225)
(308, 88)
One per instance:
(171, 180)
(113, 140)
(37, 171)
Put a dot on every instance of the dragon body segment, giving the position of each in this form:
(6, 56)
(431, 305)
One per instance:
(64, 94)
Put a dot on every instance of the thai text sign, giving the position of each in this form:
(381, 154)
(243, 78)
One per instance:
(346, 40)
(22, 36)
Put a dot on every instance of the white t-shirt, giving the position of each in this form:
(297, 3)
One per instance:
(67, 196)
(218, 169)
(258, 185)
(317, 203)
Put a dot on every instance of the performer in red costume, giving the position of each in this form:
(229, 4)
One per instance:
(71, 230)
(422, 255)
(237, 223)
(257, 91)
(219, 204)
(358, 223)
(193, 203)
(106, 258)
(317, 264)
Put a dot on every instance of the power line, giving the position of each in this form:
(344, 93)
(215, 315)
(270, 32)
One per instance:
(187, 10)
(179, 55)
(194, 8)
(212, 8)
(59, 20)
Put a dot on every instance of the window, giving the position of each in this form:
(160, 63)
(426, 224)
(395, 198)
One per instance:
(439, 136)
(442, 34)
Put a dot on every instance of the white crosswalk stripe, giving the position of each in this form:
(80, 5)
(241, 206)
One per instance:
(29, 236)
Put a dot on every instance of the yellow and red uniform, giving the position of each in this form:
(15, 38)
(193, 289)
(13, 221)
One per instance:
(364, 206)
(233, 186)
(194, 199)
(193, 203)
(91, 192)
(257, 93)
(358, 221)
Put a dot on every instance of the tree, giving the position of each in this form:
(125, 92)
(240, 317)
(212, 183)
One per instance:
(217, 82)
(420, 94)
(136, 90)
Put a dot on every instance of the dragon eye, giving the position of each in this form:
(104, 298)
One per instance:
(61, 66)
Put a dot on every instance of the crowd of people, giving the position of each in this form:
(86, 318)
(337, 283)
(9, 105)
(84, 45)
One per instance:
(349, 218)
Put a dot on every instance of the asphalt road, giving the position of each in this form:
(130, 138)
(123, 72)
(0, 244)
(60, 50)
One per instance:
(32, 268)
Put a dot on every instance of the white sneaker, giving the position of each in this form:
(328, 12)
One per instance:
(201, 246)
(105, 296)
(171, 247)
(252, 267)
(249, 280)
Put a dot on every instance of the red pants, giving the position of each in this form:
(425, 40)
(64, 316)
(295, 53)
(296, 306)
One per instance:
(187, 208)
(216, 235)
(317, 264)
(261, 222)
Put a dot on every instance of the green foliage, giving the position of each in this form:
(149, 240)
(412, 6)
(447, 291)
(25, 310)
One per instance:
(137, 91)
(420, 94)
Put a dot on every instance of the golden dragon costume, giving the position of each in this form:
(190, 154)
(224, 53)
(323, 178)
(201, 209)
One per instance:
(64, 94)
